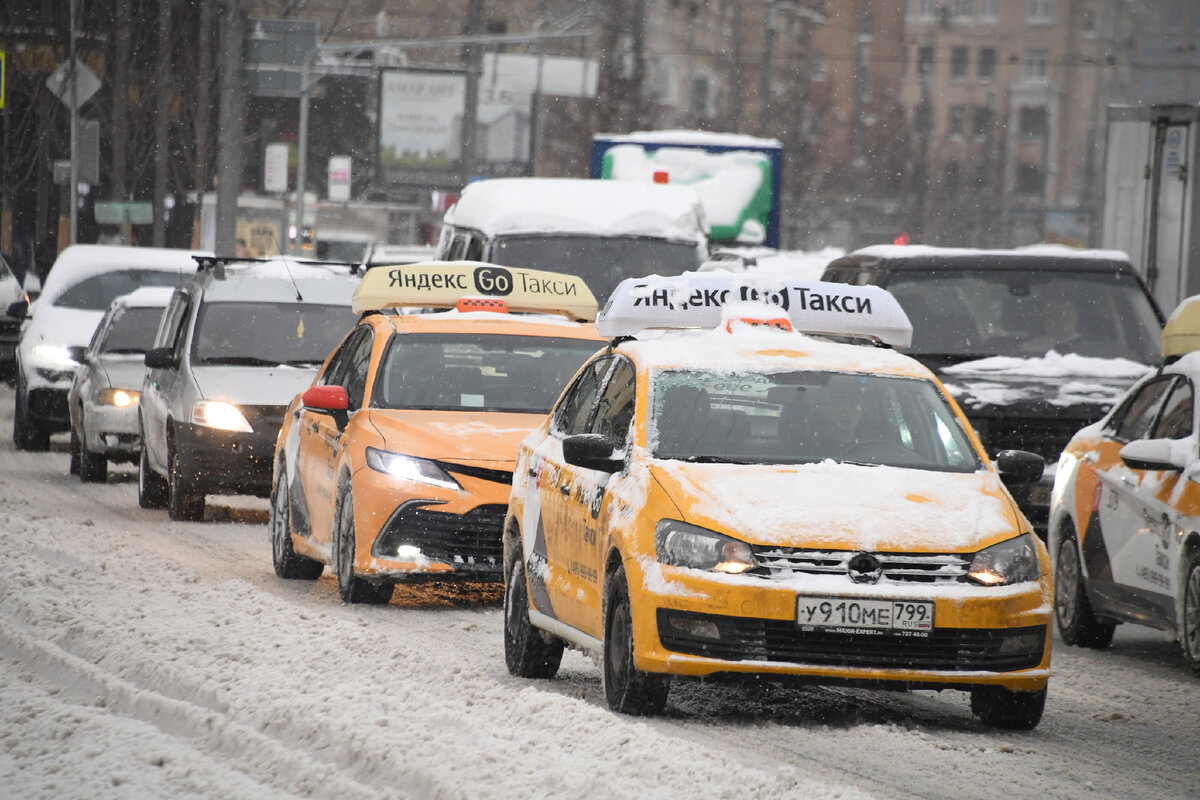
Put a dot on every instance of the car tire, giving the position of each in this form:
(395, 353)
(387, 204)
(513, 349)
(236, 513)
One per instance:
(351, 588)
(73, 464)
(289, 565)
(627, 689)
(526, 651)
(184, 504)
(93, 468)
(1189, 619)
(28, 434)
(152, 489)
(1077, 624)
(1008, 710)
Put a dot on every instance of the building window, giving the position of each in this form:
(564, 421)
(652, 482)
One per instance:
(1089, 24)
(1030, 179)
(956, 120)
(951, 177)
(982, 121)
(1032, 122)
(963, 9)
(928, 9)
(958, 64)
(1039, 12)
(987, 10)
(925, 60)
(987, 63)
(1037, 65)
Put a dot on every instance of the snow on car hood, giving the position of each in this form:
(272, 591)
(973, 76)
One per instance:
(1060, 380)
(843, 506)
(60, 325)
(124, 371)
(465, 437)
(253, 386)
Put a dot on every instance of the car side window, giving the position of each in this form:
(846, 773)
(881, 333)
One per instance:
(615, 409)
(358, 366)
(174, 323)
(572, 415)
(1139, 412)
(1176, 419)
(338, 368)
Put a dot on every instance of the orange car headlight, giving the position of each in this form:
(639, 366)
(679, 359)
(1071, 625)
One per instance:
(409, 468)
(682, 545)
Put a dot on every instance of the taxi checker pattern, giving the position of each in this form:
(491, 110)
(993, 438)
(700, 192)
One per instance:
(396, 464)
(1125, 509)
(684, 511)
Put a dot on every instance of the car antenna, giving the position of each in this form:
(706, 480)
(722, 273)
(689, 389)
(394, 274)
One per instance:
(284, 257)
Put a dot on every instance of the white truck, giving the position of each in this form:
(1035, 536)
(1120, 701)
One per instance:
(1150, 197)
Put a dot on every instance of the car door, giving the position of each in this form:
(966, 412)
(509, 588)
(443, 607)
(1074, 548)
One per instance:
(1149, 563)
(1107, 542)
(160, 383)
(546, 506)
(319, 442)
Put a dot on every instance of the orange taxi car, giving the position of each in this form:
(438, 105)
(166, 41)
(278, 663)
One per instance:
(750, 501)
(396, 464)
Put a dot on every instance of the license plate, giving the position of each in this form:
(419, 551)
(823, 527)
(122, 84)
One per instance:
(856, 615)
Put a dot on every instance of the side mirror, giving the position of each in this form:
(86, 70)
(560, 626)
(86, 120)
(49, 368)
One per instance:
(1018, 466)
(18, 310)
(331, 400)
(1153, 455)
(77, 353)
(591, 451)
(161, 358)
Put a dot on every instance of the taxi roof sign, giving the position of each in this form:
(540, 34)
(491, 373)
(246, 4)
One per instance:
(696, 300)
(1181, 334)
(442, 284)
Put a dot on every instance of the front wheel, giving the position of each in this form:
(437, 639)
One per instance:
(1189, 620)
(351, 588)
(627, 689)
(73, 464)
(183, 502)
(1072, 610)
(526, 651)
(152, 489)
(93, 467)
(28, 433)
(288, 563)
(1008, 710)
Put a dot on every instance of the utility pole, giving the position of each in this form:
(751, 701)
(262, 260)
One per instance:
(473, 54)
(229, 153)
(73, 77)
(163, 87)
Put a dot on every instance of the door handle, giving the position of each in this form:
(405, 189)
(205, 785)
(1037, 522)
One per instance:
(313, 427)
(565, 488)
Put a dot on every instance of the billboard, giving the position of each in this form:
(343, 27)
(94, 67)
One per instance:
(420, 124)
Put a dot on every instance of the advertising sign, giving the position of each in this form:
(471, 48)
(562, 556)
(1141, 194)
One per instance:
(339, 178)
(420, 125)
(275, 168)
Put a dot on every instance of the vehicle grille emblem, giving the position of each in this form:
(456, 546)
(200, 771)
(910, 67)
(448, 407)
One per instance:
(865, 568)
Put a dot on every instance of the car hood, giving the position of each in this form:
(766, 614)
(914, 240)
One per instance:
(464, 437)
(843, 506)
(60, 326)
(253, 386)
(122, 371)
(1057, 383)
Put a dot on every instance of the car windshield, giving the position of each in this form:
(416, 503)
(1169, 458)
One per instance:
(96, 292)
(601, 261)
(1027, 313)
(477, 372)
(132, 330)
(804, 417)
(266, 334)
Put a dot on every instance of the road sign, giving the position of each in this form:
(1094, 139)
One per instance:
(86, 83)
(115, 212)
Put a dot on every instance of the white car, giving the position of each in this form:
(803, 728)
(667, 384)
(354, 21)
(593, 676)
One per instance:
(104, 395)
(10, 292)
(81, 284)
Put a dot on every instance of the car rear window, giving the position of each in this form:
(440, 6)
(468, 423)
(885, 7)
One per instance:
(268, 334)
(97, 291)
(133, 330)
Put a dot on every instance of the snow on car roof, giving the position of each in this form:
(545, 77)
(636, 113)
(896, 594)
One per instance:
(582, 206)
(281, 279)
(146, 297)
(903, 251)
(80, 261)
(692, 137)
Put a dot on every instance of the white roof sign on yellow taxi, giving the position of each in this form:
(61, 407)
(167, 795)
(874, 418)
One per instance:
(443, 284)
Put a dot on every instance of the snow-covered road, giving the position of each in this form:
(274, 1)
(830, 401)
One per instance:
(145, 658)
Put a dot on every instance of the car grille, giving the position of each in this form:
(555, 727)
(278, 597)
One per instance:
(264, 419)
(1046, 437)
(470, 541)
(784, 562)
(945, 649)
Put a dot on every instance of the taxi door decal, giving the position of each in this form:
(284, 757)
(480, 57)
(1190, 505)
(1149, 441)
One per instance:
(297, 499)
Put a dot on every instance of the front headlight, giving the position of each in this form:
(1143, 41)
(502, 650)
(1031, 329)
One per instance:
(409, 468)
(52, 355)
(221, 415)
(1013, 561)
(119, 398)
(682, 545)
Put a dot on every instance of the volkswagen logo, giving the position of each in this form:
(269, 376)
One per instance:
(865, 568)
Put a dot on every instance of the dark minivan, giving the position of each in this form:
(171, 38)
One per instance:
(1033, 343)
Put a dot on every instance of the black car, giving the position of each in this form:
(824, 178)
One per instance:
(1033, 343)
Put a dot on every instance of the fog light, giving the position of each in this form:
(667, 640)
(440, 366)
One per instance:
(699, 628)
(1022, 643)
(408, 552)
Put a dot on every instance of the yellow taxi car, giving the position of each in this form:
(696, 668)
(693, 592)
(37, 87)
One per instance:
(1125, 510)
(396, 464)
(771, 496)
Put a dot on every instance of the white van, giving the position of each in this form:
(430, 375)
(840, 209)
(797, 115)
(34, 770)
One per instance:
(602, 231)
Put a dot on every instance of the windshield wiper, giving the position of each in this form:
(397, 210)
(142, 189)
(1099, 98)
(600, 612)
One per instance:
(716, 460)
(305, 362)
(241, 361)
